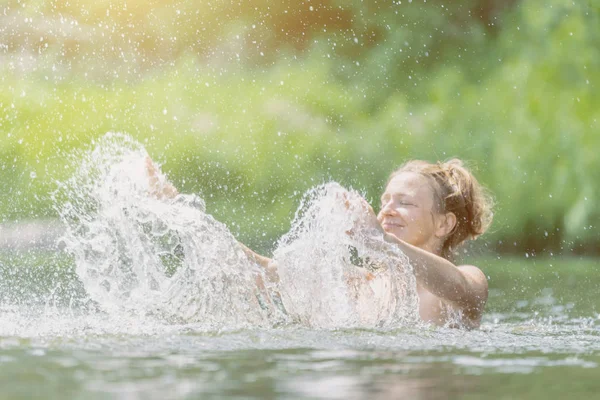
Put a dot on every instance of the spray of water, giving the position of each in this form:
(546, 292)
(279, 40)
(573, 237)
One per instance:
(169, 259)
(337, 271)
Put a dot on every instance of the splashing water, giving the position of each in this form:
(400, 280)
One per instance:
(330, 278)
(171, 260)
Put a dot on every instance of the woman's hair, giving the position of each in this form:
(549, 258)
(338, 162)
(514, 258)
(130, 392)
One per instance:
(457, 191)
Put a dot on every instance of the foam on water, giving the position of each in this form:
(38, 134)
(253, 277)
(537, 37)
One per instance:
(171, 260)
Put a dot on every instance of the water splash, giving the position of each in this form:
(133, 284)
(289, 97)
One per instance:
(170, 260)
(166, 258)
(337, 271)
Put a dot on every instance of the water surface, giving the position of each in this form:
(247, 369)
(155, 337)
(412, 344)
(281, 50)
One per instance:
(539, 339)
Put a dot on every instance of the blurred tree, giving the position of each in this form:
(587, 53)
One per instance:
(251, 102)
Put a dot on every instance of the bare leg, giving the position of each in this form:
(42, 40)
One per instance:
(158, 189)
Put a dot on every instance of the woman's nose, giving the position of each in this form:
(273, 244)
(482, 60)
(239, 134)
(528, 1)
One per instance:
(386, 209)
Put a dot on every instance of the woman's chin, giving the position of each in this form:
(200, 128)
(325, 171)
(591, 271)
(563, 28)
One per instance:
(396, 232)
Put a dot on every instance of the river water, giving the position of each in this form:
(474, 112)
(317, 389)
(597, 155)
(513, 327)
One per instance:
(153, 298)
(51, 352)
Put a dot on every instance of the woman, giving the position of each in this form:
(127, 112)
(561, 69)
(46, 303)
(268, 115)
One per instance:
(428, 210)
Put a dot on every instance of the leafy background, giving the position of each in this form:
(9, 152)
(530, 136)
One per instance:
(252, 102)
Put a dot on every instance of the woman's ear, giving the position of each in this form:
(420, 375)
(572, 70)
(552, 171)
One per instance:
(446, 224)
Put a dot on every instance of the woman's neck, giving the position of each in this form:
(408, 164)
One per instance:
(434, 247)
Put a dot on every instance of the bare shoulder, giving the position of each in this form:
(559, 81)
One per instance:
(477, 281)
(473, 274)
(477, 292)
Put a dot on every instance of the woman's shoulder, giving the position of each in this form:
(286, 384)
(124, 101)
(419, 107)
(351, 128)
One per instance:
(477, 289)
(475, 277)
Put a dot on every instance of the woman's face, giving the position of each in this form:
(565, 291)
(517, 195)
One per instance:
(407, 210)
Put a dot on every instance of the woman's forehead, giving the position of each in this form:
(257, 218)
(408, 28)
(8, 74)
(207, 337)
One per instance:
(408, 183)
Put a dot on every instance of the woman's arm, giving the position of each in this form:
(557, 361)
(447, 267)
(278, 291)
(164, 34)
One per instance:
(257, 258)
(268, 264)
(165, 190)
(464, 286)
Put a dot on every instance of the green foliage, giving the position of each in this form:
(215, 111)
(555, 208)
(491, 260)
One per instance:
(345, 95)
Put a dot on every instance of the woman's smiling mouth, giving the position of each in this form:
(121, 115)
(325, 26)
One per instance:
(391, 225)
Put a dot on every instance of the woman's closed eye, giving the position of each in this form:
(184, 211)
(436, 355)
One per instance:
(402, 203)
